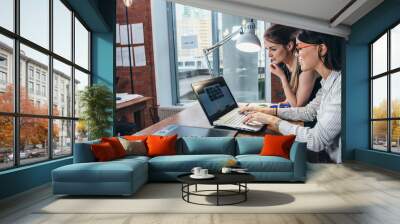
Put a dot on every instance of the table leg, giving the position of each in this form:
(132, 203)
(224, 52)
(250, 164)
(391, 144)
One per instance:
(188, 190)
(217, 194)
(245, 193)
(182, 188)
(196, 187)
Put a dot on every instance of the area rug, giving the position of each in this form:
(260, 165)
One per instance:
(167, 198)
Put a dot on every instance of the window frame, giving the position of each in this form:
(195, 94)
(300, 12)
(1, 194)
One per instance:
(16, 114)
(388, 74)
(173, 54)
(172, 34)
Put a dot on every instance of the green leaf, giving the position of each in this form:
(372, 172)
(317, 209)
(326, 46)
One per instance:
(96, 102)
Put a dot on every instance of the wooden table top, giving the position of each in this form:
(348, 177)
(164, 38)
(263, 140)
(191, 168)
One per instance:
(132, 102)
(192, 116)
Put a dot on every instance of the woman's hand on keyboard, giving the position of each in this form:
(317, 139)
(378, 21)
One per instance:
(255, 109)
(258, 117)
(248, 109)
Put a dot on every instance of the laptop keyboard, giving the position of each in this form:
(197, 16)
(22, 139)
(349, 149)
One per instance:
(235, 119)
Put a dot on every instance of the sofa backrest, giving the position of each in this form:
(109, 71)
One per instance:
(207, 145)
(249, 145)
(83, 152)
(192, 146)
(185, 145)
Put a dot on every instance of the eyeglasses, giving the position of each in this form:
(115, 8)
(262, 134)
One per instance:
(300, 46)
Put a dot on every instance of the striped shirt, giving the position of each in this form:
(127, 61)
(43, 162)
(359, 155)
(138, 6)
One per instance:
(326, 108)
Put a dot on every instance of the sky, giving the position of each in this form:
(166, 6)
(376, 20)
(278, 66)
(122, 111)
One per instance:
(35, 27)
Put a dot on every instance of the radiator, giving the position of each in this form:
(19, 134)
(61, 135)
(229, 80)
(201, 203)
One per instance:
(165, 112)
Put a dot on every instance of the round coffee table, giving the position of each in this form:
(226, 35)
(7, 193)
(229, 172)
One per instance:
(238, 179)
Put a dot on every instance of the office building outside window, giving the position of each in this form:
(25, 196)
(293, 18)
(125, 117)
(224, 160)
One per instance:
(197, 29)
(30, 87)
(34, 142)
(385, 96)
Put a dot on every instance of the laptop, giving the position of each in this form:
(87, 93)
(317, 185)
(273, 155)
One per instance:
(220, 107)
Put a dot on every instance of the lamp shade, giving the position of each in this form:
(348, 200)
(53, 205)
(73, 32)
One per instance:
(248, 41)
(128, 3)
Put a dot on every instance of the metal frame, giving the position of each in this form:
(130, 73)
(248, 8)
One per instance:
(173, 52)
(16, 115)
(215, 47)
(388, 74)
(242, 191)
(215, 39)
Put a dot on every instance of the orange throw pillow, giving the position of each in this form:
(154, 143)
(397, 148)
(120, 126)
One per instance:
(135, 137)
(161, 145)
(277, 145)
(103, 152)
(116, 145)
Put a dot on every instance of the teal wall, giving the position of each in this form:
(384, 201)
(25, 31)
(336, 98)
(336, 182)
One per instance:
(24, 178)
(103, 63)
(356, 133)
(99, 15)
(103, 53)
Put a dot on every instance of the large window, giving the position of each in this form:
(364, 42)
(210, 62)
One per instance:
(385, 96)
(40, 80)
(7, 14)
(197, 29)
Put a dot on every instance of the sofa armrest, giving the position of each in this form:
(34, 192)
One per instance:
(299, 159)
(83, 152)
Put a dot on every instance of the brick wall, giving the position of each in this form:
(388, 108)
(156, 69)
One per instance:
(144, 77)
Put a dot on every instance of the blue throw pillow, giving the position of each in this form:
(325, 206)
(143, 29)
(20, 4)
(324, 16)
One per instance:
(249, 145)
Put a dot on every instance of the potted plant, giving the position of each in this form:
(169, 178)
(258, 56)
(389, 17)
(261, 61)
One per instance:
(96, 104)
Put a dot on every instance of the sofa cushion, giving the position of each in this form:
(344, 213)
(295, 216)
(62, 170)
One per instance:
(249, 145)
(132, 158)
(137, 147)
(208, 145)
(161, 145)
(277, 145)
(135, 137)
(257, 163)
(185, 163)
(116, 145)
(112, 171)
(103, 152)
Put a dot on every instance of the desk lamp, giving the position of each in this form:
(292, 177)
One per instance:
(246, 42)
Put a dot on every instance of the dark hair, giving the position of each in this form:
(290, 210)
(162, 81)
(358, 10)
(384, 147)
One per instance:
(283, 35)
(332, 58)
(280, 34)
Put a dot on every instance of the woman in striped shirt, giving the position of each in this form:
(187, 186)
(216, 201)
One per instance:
(317, 52)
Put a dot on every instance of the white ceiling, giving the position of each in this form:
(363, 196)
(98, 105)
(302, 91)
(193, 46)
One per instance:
(319, 9)
(314, 15)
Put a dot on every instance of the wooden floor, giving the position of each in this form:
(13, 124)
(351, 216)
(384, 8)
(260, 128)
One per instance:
(378, 188)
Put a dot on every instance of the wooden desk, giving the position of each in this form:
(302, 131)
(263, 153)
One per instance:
(135, 106)
(192, 116)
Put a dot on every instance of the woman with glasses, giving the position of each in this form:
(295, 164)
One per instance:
(299, 86)
(321, 53)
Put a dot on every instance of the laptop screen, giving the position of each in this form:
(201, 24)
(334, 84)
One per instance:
(215, 97)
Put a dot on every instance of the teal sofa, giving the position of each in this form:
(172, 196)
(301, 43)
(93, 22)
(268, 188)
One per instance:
(125, 176)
